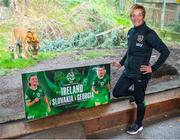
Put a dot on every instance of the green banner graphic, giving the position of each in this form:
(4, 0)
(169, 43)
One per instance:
(52, 92)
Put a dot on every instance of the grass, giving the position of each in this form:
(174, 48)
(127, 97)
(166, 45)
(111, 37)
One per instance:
(4, 53)
(6, 27)
(7, 62)
(3, 42)
(91, 54)
(4, 30)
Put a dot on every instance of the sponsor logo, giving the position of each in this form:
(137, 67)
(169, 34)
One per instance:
(140, 38)
(139, 45)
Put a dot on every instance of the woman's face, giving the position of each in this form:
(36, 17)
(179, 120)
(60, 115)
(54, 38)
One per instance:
(33, 81)
(137, 17)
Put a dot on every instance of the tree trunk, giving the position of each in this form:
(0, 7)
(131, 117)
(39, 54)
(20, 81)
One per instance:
(20, 7)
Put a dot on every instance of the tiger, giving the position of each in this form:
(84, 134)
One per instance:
(24, 43)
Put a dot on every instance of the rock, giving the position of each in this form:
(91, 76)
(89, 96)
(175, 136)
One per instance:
(165, 70)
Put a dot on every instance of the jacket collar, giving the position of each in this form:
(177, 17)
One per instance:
(140, 26)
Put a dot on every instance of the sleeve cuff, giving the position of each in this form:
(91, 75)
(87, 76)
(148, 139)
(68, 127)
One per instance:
(154, 68)
(121, 63)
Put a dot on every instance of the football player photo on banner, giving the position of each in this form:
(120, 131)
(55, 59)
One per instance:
(52, 92)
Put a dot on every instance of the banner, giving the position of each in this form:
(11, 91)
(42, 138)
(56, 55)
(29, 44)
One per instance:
(52, 92)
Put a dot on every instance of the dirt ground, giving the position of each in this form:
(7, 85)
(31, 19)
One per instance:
(11, 96)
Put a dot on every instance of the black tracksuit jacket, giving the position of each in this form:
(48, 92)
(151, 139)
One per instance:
(141, 41)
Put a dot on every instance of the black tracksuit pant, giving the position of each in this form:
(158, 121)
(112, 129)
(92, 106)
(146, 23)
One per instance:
(122, 89)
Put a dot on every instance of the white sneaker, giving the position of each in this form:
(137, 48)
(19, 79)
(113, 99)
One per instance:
(134, 129)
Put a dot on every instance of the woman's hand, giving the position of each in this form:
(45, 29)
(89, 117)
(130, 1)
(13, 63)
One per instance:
(146, 69)
(117, 65)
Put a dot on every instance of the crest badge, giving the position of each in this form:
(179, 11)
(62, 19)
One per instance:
(70, 76)
(140, 38)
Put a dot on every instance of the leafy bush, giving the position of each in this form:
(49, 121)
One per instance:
(177, 27)
(73, 2)
(101, 27)
(6, 3)
(86, 40)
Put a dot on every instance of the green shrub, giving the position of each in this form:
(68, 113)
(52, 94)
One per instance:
(6, 3)
(177, 27)
(86, 40)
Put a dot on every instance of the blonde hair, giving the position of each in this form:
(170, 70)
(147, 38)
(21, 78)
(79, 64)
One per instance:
(137, 6)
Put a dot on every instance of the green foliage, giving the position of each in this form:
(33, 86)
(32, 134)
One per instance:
(101, 27)
(6, 61)
(90, 54)
(98, 15)
(6, 3)
(112, 2)
(73, 2)
(123, 20)
(6, 27)
(114, 40)
(105, 10)
(3, 42)
(86, 40)
(77, 15)
(168, 35)
(177, 27)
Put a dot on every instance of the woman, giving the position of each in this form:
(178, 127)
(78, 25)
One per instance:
(141, 41)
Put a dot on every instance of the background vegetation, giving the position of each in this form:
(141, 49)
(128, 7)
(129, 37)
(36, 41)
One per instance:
(67, 25)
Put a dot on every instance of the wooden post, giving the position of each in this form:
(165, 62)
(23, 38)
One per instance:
(163, 13)
(121, 5)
